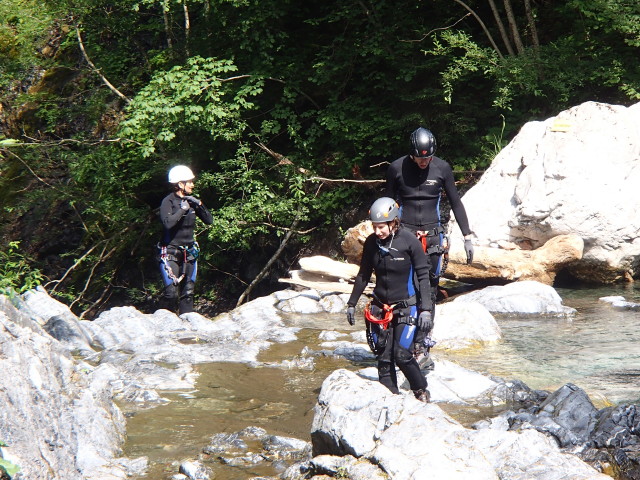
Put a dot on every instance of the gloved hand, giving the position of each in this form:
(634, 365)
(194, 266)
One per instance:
(192, 200)
(468, 248)
(425, 322)
(351, 315)
(184, 205)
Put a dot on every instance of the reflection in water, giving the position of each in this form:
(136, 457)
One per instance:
(596, 350)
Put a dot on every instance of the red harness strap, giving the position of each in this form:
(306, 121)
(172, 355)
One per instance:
(384, 322)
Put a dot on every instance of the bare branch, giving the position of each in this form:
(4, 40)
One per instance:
(265, 269)
(436, 30)
(97, 70)
(484, 27)
(345, 180)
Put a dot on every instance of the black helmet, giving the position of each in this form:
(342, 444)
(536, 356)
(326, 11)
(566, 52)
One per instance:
(423, 143)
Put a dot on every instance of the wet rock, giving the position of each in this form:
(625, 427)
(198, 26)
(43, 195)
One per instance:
(527, 297)
(346, 467)
(253, 445)
(195, 470)
(460, 325)
(357, 417)
(567, 414)
(617, 427)
(608, 439)
(620, 303)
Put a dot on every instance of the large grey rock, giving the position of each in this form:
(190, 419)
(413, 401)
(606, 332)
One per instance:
(56, 318)
(549, 181)
(460, 325)
(412, 440)
(529, 297)
(57, 416)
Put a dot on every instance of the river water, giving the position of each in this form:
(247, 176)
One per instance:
(597, 349)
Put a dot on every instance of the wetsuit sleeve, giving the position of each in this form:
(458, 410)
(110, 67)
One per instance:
(456, 202)
(170, 215)
(422, 266)
(364, 274)
(391, 187)
(204, 214)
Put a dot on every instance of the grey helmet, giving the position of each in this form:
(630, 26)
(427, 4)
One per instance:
(384, 209)
(423, 143)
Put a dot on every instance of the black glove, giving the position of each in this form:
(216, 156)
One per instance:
(425, 322)
(468, 248)
(184, 205)
(351, 315)
(192, 200)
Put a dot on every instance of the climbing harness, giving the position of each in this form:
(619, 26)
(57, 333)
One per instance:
(441, 248)
(378, 316)
(181, 254)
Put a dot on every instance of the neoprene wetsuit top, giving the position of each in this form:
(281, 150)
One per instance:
(178, 224)
(418, 192)
(394, 260)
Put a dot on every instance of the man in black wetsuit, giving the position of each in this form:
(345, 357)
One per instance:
(398, 260)
(178, 250)
(416, 182)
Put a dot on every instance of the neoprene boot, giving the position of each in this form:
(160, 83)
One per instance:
(422, 395)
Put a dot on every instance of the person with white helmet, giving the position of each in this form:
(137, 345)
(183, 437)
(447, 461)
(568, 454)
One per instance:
(178, 249)
(397, 310)
(416, 181)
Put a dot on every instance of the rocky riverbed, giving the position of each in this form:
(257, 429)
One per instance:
(70, 385)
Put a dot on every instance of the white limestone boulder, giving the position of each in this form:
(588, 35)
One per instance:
(572, 174)
(411, 440)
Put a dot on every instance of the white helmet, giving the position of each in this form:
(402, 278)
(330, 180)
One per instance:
(180, 173)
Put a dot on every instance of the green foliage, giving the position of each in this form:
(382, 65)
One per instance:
(24, 29)
(9, 468)
(263, 98)
(184, 99)
(16, 273)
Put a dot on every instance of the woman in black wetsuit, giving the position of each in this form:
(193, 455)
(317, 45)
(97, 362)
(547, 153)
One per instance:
(178, 250)
(394, 254)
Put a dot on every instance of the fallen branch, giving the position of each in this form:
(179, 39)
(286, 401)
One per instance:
(344, 180)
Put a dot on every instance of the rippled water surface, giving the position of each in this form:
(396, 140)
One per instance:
(597, 349)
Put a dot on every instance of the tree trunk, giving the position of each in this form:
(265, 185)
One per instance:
(503, 31)
(513, 26)
(532, 26)
(187, 26)
(167, 28)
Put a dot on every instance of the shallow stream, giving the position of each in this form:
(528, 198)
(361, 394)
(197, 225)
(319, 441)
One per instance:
(597, 350)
